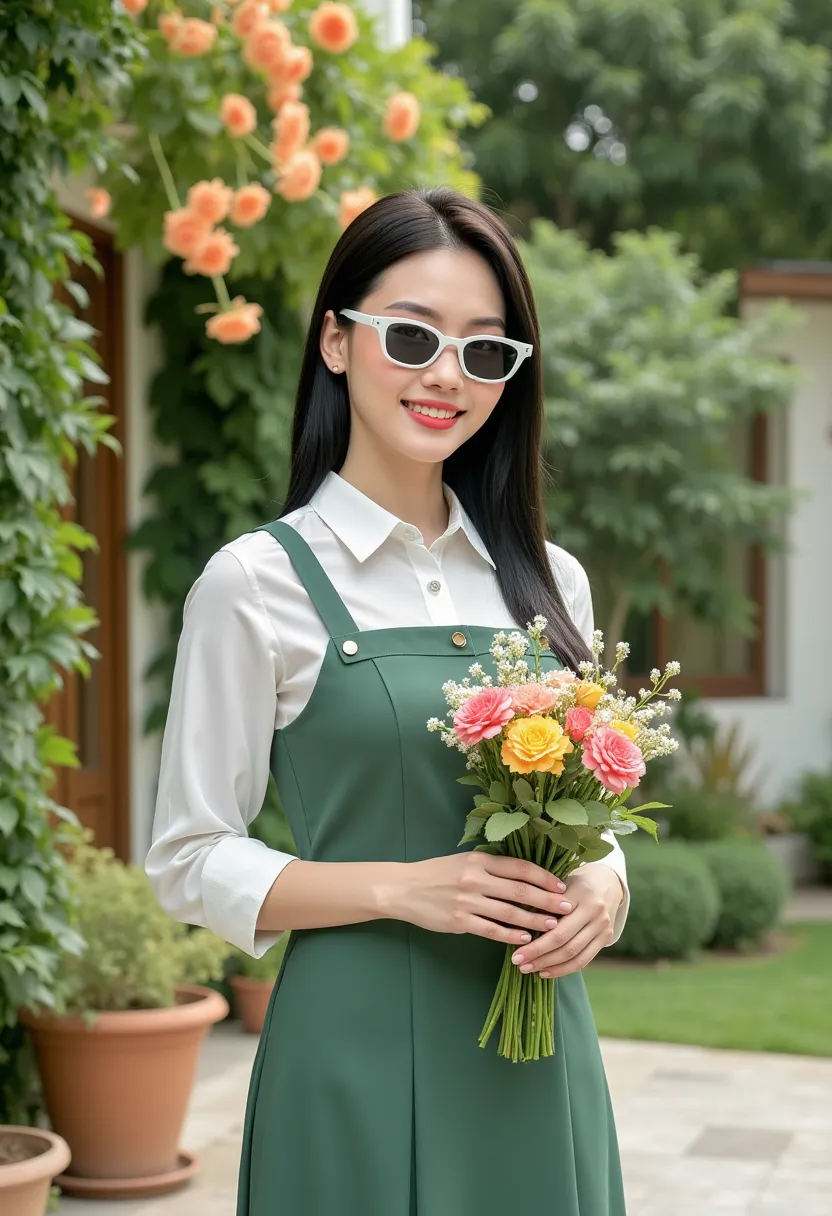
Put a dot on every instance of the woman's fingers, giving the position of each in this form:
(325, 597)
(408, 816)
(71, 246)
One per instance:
(566, 955)
(495, 932)
(512, 914)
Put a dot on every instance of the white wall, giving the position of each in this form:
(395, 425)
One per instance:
(791, 727)
(394, 19)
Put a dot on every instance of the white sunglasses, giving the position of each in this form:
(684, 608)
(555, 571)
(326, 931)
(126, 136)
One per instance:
(483, 357)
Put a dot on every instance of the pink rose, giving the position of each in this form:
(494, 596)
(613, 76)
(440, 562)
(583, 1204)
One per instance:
(614, 759)
(533, 698)
(578, 722)
(484, 715)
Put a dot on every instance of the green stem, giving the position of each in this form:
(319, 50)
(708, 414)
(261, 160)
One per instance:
(241, 168)
(223, 298)
(258, 146)
(164, 171)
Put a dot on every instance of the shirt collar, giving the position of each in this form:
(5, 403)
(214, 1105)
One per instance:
(363, 526)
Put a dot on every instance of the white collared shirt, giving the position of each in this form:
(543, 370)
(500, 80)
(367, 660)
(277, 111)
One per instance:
(251, 649)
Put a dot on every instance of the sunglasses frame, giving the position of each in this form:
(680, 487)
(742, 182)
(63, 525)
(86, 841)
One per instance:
(382, 324)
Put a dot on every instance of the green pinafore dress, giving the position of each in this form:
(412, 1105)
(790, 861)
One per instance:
(370, 1095)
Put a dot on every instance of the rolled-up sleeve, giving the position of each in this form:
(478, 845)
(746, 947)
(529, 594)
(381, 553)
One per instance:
(203, 866)
(574, 586)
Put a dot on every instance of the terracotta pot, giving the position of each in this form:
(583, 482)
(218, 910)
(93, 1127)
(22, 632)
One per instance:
(251, 1000)
(118, 1091)
(29, 1160)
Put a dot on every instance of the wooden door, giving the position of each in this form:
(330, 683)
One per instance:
(93, 712)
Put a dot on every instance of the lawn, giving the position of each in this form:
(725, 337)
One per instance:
(774, 1002)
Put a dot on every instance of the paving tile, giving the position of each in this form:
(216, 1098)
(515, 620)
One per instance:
(740, 1143)
(651, 1178)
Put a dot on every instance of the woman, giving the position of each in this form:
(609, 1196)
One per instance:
(318, 645)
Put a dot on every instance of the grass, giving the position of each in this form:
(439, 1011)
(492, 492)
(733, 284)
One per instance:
(774, 1002)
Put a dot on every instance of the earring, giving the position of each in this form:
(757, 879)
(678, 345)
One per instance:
(335, 367)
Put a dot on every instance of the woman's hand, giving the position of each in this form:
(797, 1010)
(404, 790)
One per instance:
(595, 893)
(477, 893)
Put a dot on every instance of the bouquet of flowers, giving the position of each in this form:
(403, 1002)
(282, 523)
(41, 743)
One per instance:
(556, 755)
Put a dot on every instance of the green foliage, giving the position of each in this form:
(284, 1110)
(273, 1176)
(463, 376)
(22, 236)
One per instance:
(695, 813)
(712, 119)
(134, 954)
(675, 903)
(264, 968)
(811, 812)
(177, 100)
(753, 887)
(61, 65)
(647, 379)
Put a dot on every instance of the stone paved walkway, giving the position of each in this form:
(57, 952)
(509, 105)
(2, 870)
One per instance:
(702, 1132)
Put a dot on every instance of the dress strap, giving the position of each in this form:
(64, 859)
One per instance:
(327, 602)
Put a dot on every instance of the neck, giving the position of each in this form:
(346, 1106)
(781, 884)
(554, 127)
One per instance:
(409, 489)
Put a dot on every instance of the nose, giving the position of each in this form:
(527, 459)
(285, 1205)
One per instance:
(445, 373)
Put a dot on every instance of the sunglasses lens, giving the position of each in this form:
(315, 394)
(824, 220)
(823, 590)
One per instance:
(411, 344)
(489, 358)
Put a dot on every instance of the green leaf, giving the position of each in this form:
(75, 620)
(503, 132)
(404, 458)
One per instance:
(594, 852)
(470, 779)
(567, 810)
(597, 813)
(473, 828)
(567, 838)
(523, 791)
(647, 806)
(33, 886)
(504, 823)
(499, 792)
(8, 816)
(648, 825)
(486, 808)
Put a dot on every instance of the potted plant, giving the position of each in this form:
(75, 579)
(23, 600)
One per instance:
(791, 848)
(811, 816)
(29, 1159)
(118, 1062)
(252, 981)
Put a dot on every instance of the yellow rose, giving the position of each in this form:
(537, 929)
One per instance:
(535, 745)
(625, 728)
(589, 695)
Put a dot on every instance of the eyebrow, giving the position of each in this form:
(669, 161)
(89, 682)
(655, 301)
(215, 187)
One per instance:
(422, 310)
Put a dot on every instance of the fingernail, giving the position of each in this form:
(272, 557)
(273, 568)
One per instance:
(561, 886)
(526, 937)
(551, 924)
(517, 958)
(526, 968)
(545, 975)
(565, 907)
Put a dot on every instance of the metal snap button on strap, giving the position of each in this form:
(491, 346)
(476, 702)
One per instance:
(459, 639)
(349, 647)
(434, 586)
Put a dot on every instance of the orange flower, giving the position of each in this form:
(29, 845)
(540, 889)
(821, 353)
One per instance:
(99, 200)
(248, 16)
(298, 63)
(300, 177)
(217, 16)
(353, 202)
(134, 7)
(331, 144)
(194, 37)
(238, 115)
(282, 91)
(185, 232)
(333, 28)
(250, 205)
(267, 46)
(279, 6)
(214, 256)
(401, 118)
(535, 745)
(588, 694)
(237, 324)
(169, 24)
(291, 129)
(210, 200)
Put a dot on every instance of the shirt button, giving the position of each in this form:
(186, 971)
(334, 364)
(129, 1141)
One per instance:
(434, 586)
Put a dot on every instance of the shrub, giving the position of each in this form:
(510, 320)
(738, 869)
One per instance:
(675, 902)
(811, 813)
(695, 813)
(135, 953)
(752, 888)
(264, 968)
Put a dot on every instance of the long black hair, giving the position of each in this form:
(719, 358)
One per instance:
(496, 473)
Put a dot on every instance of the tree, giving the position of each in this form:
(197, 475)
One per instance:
(710, 117)
(646, 378)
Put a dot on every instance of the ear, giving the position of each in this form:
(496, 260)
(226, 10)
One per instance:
(333, 344)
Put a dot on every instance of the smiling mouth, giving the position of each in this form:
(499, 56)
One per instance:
(425, 411)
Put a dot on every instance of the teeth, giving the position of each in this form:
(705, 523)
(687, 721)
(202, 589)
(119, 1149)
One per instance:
(431, 412)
